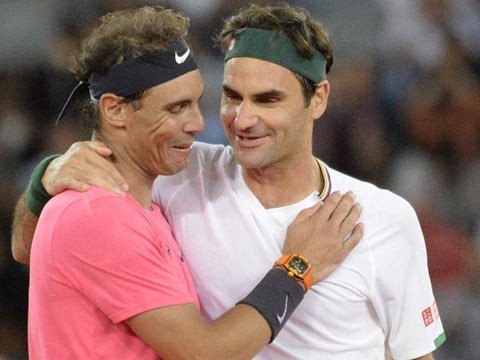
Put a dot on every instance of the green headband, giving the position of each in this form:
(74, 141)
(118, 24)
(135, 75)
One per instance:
(279, 49)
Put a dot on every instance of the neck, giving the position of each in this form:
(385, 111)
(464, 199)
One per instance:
(140, 188)
(280, 185)
(140, 185)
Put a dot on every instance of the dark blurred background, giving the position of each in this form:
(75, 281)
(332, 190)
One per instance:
(404, 113)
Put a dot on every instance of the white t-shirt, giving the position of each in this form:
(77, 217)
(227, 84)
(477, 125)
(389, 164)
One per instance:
(379, 300)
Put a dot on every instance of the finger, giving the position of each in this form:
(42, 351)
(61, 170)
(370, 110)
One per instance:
(87, 150)
(350, 220)
(111, 187)
(103, 174)
(353, 240)
(98, 164)
(343, 208)
(82, 164)
(100, 148)
(329, 206)
(73, 185)
(307, 213)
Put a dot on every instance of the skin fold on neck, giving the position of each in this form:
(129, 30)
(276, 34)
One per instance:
(268, 185)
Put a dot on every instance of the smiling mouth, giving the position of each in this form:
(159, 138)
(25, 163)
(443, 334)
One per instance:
(247, 138)
(183, 147)
(249, 141)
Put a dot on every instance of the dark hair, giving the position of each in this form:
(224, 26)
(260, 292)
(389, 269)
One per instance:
(123, 35)
(305, 32)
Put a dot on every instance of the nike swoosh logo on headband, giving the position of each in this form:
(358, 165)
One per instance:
(180, 59)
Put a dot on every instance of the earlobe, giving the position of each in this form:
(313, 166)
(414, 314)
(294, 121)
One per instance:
(320, 99)
(112, 109)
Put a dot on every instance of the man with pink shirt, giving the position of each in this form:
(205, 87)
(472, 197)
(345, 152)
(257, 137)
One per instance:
(107, 278)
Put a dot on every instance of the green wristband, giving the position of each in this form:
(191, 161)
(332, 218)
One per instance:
(36, 195)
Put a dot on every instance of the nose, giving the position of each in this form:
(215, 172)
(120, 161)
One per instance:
(196, 122)
(245, 116)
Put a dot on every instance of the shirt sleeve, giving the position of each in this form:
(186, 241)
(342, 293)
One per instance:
(111, 251)
(402, 293)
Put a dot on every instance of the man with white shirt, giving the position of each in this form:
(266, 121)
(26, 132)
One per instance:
(230, 208)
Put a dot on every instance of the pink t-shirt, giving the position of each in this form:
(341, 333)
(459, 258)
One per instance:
(98, 259)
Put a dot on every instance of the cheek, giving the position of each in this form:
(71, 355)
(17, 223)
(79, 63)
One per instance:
(163, 128)
(227, 112)
(162, 139)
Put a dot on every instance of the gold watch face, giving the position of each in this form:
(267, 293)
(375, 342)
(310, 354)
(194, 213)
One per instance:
(298, 264)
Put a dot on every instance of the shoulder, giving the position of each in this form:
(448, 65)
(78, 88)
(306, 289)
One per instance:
(393, 237)
(93, 211)
(207, 162)
(91, 202)
(372, 197)
(92, 221)
(206, 156)
(388, 218)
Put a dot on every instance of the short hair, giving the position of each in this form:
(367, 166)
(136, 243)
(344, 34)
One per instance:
(123, 35)
(297, 23)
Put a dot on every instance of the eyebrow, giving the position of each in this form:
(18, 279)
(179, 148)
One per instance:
(227, 89)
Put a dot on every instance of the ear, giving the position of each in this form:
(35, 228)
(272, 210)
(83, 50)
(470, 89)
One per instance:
(320, 99)
(113, 109)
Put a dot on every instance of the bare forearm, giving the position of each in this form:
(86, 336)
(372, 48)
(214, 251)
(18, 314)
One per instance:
(252, 333)
(239, 334)
(23, 228)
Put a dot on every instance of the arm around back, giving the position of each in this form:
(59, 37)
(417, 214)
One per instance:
(23, 228)
(27, 211)
(83, 164)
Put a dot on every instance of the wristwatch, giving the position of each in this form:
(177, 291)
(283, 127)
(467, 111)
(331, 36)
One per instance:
(297, 267)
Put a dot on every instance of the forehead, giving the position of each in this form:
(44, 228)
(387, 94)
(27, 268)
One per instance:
(258, 74)
(188, 87)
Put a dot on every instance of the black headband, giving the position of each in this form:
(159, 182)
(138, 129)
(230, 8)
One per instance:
(136, 75)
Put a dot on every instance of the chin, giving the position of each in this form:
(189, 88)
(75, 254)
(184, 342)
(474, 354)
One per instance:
(176, 168)
(246, 160)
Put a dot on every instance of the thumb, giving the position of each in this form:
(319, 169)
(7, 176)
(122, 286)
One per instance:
(100, 148)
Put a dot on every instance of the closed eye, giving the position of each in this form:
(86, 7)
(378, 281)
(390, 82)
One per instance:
(267, 100)
(178, 108)
(270, 97)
